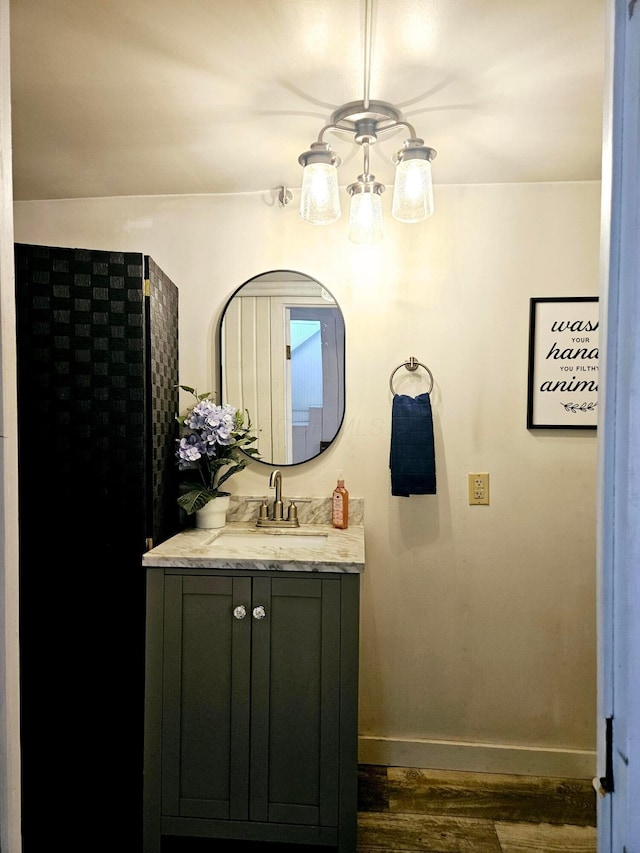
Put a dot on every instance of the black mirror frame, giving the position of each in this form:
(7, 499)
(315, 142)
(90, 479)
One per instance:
(344, 359)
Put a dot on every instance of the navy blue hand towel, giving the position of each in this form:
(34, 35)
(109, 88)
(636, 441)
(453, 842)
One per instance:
(412, 459)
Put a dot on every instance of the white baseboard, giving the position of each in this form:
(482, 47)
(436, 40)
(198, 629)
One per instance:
(478, 757)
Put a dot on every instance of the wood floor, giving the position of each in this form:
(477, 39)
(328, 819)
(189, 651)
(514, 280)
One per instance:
(407, 810)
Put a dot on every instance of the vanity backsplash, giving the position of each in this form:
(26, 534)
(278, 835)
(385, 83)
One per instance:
(310, 510)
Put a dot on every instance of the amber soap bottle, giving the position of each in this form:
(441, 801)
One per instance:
(340, 505)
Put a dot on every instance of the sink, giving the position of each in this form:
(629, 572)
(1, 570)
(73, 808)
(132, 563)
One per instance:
(268, 539)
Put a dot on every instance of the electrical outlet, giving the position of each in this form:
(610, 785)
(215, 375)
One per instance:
(478, 489)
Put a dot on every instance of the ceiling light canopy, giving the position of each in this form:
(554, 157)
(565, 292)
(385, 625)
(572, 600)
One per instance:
(364, 122)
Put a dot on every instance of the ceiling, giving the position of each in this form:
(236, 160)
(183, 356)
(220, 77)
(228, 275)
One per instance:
(145, 97)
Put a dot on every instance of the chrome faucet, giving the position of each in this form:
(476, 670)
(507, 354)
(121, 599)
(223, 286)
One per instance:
(276, 480)
(277, 517)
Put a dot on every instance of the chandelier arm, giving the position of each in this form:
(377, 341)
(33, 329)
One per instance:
(409, 127)
(381, 128)
(328, 127)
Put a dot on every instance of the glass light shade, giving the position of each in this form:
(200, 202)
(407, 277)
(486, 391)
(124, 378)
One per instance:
(365, 220)
(320, 198)
(412, 191)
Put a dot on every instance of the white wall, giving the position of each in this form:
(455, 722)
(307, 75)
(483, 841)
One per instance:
(9, 685)
(478, 623)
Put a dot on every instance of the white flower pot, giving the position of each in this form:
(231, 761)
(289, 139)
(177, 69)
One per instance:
(214, 513)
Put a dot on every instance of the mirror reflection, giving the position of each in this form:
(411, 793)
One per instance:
(282, 354)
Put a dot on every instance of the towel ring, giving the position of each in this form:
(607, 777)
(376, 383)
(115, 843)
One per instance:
(411, 364)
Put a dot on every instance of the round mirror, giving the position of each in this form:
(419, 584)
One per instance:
(281, 348)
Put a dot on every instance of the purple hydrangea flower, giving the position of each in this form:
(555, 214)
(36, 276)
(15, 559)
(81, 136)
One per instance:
(189, 450)
(215, 443)
(215, 423)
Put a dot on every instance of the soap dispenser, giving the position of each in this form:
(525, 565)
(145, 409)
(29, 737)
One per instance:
(340, 505)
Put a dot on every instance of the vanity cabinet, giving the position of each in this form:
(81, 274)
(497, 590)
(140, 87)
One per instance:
(251, 706)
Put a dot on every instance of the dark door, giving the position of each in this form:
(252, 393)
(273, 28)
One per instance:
(205, 721)
(295, 684)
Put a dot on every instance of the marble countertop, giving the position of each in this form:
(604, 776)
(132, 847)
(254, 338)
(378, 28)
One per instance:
(241, 545)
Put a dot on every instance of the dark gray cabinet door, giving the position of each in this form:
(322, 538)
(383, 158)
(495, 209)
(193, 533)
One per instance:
(250, 705)
(295, 701)
(205, 697)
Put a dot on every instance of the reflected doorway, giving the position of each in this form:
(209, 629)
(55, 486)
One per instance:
(316, 335)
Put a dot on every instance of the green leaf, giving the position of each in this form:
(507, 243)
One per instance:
(193, 391)
(230, 472)
(250, 451)
(194, 500)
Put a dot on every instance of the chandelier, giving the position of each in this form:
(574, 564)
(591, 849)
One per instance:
(364, 122)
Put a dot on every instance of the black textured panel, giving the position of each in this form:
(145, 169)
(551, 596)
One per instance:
(164, 402)
(86, 423)
(81, 383)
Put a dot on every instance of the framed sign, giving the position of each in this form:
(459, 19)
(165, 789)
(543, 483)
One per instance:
(563, 363)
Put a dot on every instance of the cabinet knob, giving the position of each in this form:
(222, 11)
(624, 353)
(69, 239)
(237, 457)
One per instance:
(240, 612)
(259, 612)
